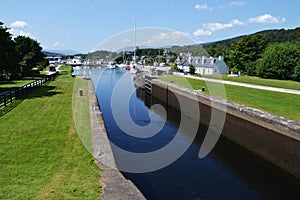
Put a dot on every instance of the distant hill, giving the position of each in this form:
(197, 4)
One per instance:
(272, 36)
(281, 35)
(63, 52)
(102, 54)
(218, 47)
(47, 53)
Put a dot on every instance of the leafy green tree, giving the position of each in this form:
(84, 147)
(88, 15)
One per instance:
(8, 54)
(172, 58)
(42, 64)
(118, 59)
(175, 67)
(247, 50)
(280, 61)
(296, 75)
(192, 69)
(30, 53)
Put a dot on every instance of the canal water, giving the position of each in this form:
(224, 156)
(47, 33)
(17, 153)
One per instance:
(228, 172)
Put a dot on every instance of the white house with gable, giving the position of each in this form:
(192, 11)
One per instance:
(205, 65)
(77, 60)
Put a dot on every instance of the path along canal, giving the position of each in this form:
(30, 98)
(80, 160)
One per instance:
(228, 172)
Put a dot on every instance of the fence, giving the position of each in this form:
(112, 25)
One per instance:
(9, 97)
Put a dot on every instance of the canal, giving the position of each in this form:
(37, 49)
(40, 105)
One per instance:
(228, 172)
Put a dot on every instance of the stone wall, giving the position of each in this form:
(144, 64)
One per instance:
(272, 137)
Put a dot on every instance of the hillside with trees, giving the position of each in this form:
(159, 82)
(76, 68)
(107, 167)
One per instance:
(19, 56)
(267, 54)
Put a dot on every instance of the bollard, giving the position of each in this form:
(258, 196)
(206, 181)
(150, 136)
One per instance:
(80, 92)
(203, 88)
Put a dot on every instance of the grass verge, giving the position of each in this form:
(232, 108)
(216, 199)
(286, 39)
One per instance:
(65, 69)
(42, 156)
(259, 81)
(282, 104)
(81, 114)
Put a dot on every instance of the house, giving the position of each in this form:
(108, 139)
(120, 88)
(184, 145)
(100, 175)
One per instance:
(93, 62)
(54, 59)
(205, 65)
(76, 61)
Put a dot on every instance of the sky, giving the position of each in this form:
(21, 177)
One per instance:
(83, 25)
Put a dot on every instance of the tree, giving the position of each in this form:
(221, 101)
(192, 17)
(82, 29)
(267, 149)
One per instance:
(280, 61)
(192, 69)
(172, 58)
(296, 75)
(8, 54)
(30, 53)
(247, 50)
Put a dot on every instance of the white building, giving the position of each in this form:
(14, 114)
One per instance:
(54, 59)
(93, 62)
(204, 65)
(77, 60)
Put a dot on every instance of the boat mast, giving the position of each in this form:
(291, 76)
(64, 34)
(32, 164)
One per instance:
(134, 52)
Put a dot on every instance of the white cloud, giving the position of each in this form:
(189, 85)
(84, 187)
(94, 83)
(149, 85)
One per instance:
(237, 3)
(202, 7)
(58, 44)
(266, 19)
(16, 32)
(201, 31)
(209, 28)
(17, 29)
(168, 38)
(19, 24)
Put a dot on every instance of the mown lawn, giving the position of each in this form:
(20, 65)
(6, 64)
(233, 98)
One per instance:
(13, 84)
(282, 104)
(42, 156)
(259, 81)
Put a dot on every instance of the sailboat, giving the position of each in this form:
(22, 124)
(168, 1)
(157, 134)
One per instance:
(133, 64)
(124, 64)
(111, 65)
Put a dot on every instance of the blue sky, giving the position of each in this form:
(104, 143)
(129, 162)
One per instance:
(81, 25)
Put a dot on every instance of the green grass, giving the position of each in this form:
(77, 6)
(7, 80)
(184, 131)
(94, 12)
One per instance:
(65, 69)
(81, 113)
(13, 84)
(42, 156)
(282, 104)
(259, 81)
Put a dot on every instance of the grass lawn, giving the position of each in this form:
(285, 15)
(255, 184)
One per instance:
(259, 81)
(13, 84)
(81, 114)
(67, 69)
(282, 104)
(42, 156)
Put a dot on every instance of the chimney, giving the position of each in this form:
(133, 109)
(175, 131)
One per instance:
(221, 58)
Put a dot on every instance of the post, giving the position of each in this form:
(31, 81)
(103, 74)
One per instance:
(10, 96)
(80, 92)
(4, 100)
(17, 93)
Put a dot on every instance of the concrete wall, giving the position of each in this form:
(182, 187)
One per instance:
(274, 138)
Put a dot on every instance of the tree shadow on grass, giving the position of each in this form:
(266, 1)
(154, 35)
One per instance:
(10, 107)
(40, 92)
(14, 82)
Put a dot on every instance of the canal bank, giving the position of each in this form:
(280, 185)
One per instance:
(114, 185)
(275, 139)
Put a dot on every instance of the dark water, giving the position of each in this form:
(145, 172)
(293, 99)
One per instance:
(228, 172)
